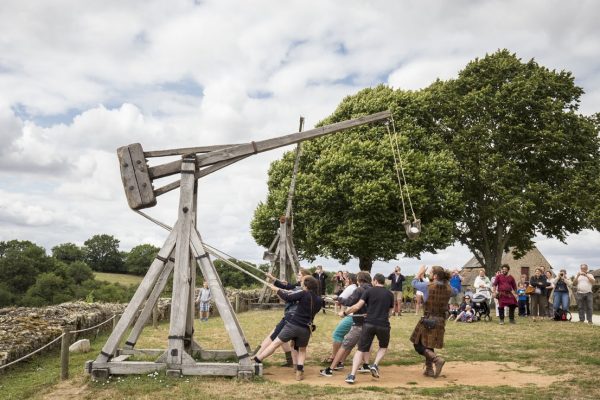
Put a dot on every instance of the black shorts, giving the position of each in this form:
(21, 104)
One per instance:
(368, 334)
(299, 334)
(278, 329)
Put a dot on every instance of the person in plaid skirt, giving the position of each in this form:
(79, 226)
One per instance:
(429, 332)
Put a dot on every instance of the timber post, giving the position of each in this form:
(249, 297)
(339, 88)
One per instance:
(64, 353)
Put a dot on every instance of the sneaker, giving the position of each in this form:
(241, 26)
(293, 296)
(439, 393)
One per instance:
(326, 372)
(374, 371)
(512, 321)
(339, 366)
(349, 378)
(501, 322)
(364, 369)
(299, 375)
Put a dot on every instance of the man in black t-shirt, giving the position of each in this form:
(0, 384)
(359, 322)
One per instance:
(380, 304)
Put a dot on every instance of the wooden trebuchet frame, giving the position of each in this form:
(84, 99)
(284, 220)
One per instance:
(182, 251)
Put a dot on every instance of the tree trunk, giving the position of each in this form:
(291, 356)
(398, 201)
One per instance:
(365, 264)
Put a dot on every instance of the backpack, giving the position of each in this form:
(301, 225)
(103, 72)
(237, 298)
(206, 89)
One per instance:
(562, 315)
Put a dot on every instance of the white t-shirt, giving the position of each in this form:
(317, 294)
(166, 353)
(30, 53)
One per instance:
(348, 291)
(583, 283)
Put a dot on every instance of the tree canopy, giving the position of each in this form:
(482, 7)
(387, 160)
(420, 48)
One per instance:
(492, 158)
(102, 254)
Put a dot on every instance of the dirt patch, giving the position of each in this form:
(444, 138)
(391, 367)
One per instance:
(70, 389)
(454, 373)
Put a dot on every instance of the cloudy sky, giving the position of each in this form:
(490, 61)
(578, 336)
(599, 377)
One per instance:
(80, 78)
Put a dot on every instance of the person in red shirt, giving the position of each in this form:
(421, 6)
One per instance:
(505, 290)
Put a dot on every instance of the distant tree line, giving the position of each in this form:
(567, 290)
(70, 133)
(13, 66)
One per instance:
(30, 277)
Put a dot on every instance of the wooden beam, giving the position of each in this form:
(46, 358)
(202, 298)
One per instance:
(185, 150)
(181, 275)
(251, 148)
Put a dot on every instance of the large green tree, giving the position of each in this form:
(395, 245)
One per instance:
(347, 202)
(102, 254)
(529, 162)
(493, 158)
(68, 252)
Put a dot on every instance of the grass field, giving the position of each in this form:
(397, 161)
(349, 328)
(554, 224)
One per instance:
(123, 279)
(570, 352)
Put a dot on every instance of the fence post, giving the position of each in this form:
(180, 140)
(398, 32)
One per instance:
(237, 303)
(155, 316)
(116, 320)
(64, 354)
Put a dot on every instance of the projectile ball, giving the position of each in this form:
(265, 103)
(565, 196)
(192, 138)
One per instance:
(414, 229)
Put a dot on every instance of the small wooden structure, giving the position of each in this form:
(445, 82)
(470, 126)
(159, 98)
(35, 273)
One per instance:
(181, 252)
(282, 253)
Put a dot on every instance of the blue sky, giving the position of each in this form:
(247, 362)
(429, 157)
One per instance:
(79, 79)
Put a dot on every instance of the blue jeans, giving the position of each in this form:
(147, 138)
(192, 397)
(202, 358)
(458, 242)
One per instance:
(561, 299)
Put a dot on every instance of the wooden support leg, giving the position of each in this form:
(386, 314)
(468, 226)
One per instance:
(149, 306)
(282, 251)
(240, 345)
(182, 274)
(138, 298)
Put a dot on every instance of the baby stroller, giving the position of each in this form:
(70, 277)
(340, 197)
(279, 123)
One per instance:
(481, 306)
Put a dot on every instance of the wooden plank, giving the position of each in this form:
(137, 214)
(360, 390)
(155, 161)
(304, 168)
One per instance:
(203, 172)
(181, 274)
(282, 251)
(274, 143)
(151, 302)
(122, 357)
(238, 340)
(186, 150)
(141, 174)
(217, 354)
(138, 298)
(130, 367)
(134, 198)
(214, 369)
(142, 352)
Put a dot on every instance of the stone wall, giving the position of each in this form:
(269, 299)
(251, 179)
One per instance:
(25, 329)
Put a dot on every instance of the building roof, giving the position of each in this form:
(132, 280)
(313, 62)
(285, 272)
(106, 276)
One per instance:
(532, 259)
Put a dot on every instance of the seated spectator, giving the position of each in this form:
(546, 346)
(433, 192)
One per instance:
(466, 315)
(453, 311)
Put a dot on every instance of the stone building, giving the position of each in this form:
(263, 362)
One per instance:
(525, 265)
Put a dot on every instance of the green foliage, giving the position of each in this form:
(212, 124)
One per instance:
(68, 253)
(347, 202)
(528, 162)
(231, 277)
(492, 158)
(102, 254)
(138, 260)
(20, 263)
(49, 288)
(79, 271)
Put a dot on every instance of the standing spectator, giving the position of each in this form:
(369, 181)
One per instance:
(321, 278)
(505, 288)
(538, 298)
(522, 299)
(203, 300)
(429, 332)
(396, 286)
(525, 281)
(549, 290)
(584, 281)
(456, 283)
(380, 305)
(561, 294)
(483, 284)
(338, 283)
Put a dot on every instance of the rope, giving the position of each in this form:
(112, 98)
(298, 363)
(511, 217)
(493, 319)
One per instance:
(207, 247)
(395, 151)
(94, 327)
(224, 259)
(32, 353)
(396, 168)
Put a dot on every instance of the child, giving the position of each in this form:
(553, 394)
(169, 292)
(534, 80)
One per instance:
(522, 300)
(453, 311)
(203, 300)
(466, 315)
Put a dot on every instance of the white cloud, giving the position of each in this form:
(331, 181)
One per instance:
(80, 79)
